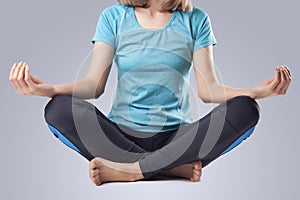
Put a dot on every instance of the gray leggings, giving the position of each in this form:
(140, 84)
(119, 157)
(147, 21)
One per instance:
(85, 129)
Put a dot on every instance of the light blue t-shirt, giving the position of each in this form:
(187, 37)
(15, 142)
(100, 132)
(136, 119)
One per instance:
(153, 66)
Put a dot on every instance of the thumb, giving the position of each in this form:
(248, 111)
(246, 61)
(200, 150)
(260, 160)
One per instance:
(36, 80)
(267, 81)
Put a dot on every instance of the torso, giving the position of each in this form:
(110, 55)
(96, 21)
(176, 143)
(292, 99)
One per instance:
(153, 56)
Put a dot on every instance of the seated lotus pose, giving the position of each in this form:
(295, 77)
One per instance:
(149, 130)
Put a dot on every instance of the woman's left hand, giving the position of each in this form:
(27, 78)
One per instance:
(274, 86)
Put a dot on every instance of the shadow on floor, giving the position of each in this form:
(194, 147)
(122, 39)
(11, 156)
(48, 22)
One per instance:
(164, 178)
(154, 179)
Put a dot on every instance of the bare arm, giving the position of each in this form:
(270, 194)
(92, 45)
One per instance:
(212, 91)
(91, 86)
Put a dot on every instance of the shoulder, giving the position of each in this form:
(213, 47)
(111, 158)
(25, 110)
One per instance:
(198, 13)
(199, 19)
(114, 11)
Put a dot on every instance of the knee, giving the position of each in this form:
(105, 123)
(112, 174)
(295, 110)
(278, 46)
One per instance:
(243, 112)
(58, 111)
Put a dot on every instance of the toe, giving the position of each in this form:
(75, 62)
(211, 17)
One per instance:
(92, 164)
(97, 183)
(197, 179)
(96, 180)
(198, 165)
(197, 172)
(95, 172)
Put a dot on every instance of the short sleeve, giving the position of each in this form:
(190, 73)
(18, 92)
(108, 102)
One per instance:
(204, 35)
(104, 30)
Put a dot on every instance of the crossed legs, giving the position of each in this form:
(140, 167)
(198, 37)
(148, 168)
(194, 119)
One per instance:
(115, 156)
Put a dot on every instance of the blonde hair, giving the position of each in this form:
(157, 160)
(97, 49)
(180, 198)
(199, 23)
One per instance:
(164, 5)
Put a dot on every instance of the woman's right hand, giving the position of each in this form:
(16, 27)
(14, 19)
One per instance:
(25, 84)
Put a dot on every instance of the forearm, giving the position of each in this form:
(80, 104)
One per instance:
(83, 88)
(217, 93)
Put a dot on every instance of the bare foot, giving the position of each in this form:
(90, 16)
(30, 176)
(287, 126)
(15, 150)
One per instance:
(191, 171)
(101, 171)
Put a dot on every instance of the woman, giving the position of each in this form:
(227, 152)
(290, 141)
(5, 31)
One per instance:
(149, 129)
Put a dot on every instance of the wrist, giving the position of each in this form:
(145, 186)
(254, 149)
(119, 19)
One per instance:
(53, 91)
(251, 93)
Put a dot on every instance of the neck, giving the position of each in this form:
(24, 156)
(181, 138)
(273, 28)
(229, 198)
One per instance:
(153, 8)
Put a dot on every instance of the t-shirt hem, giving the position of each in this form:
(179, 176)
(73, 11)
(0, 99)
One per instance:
(198, 46)
(104, 41)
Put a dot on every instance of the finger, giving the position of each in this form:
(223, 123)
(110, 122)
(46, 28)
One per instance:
(15, 77)
(12, 79)
(276, 79)
(21, 78)
(286, 73)
(288, 81)
(27, 77)
(36, 80)
(16, 71)
(288, 70)
(268, 81)
(11, 75)
(280, 86)
(12, 71)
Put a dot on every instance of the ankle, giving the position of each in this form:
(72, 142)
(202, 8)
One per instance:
(136, 171)
(131, 170)
(135, 176)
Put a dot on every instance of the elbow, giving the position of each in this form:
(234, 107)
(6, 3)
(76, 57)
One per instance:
(205, 98)
(98, 94)
(99, 91)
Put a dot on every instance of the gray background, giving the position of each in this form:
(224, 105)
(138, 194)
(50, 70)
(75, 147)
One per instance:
(53, 37)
